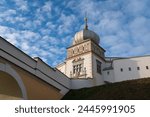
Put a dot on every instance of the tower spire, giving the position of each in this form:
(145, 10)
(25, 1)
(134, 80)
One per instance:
(85, 20)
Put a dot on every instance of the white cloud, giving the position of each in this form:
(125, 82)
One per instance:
(31, 43)
(31, 24)
(19, 38)
(110, 40)
(67, 23)
(47, 6)
(139, 28)
(9, 34)
(51, 40)
(138, 50)
(123, 25)
(15, 19)
(67, 41)
(30, 35)
(7, 13)
(136, 7)
(58, 51)
(121, 49)
(37, 22)
(10, 16)
(27, 25)
(44, 11)
(89, 7)
(21, 4)
(25, 46)
(45, 29)
(50, 25)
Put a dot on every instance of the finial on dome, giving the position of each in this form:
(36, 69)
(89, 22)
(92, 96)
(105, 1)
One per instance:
(86, 25)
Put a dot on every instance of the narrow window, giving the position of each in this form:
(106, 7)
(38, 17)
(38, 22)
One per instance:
(121, 70)
(74, 69)
(80, 67)
(98, 67)
(108, 73)
(138, 68)
(147, 67)
(129, 68)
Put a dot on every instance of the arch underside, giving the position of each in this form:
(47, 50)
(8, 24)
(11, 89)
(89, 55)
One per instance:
(9, 88)
(11, 84)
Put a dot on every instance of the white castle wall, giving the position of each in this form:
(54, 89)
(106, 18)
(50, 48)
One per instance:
(108, 76)
(115, 74)
(98, 78)
(133, 63)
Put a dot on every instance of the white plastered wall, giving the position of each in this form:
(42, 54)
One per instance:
(98, 78)
(108, 76)
(62, 67)
(133, 63)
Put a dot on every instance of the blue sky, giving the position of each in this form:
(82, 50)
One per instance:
(45, 28)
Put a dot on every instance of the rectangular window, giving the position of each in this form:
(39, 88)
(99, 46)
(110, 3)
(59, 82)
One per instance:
(108, 73)
(138, 68)
(77, 68)
(121, 69)
(147, 67)
(74, 69)
(98, 67)
(129, 68)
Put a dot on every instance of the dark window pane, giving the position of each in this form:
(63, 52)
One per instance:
(129, 68)
(98, 67)
(138, 68)
(121, 70)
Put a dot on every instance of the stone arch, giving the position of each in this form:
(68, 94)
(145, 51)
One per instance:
(9, 70)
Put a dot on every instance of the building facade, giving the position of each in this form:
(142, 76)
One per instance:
(121, 69)
(23, 77)
(87, 66)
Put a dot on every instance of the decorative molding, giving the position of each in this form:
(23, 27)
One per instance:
(79, 49)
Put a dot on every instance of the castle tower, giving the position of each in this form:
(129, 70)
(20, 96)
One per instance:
(85, 57)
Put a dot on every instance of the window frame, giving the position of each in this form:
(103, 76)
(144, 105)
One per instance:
(129, 68)
(99, 66)
(78, 66)
(121, 69)
(138, 68)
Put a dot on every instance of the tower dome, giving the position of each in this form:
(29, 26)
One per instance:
(85, 34)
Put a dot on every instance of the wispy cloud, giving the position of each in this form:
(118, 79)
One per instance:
(46, 28)
(122, 25)
(21, 5)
